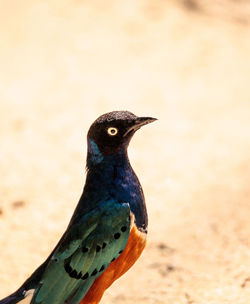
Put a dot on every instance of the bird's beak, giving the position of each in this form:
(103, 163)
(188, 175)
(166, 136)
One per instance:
(142, 121)
(138, 123)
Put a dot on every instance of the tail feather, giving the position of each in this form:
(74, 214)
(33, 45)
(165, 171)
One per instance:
(14, 298)
(25, 293)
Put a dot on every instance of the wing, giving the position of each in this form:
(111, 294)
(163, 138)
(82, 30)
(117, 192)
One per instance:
(86, 250)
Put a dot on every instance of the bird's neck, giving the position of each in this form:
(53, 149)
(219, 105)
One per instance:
(107, 167)
(96, 159)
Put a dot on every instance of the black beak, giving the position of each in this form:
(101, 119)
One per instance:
(138, 123)
(142, 121)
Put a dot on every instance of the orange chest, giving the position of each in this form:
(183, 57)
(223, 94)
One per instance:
(135, 245)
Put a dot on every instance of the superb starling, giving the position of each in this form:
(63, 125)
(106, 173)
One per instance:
(107, 232)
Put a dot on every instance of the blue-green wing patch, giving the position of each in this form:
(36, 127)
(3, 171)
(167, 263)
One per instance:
(84, 253)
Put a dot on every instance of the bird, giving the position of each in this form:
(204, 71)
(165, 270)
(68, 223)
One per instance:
(108, 229)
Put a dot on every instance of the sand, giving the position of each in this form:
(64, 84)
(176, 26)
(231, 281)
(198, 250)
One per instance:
(62, 64)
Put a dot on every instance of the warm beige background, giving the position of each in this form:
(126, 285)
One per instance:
(63, 63)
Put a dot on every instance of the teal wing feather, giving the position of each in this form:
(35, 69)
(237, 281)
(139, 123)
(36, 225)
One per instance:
(86, 250)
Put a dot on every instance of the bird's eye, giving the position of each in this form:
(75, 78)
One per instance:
(112, 131)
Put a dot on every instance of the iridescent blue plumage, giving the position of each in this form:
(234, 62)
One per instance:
(115, 178)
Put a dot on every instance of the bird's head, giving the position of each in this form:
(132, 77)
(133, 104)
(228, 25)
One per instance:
(112, 132)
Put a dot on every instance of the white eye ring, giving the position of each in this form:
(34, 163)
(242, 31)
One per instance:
(112, 131)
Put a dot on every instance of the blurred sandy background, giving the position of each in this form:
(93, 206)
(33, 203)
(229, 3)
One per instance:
(62, 64)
